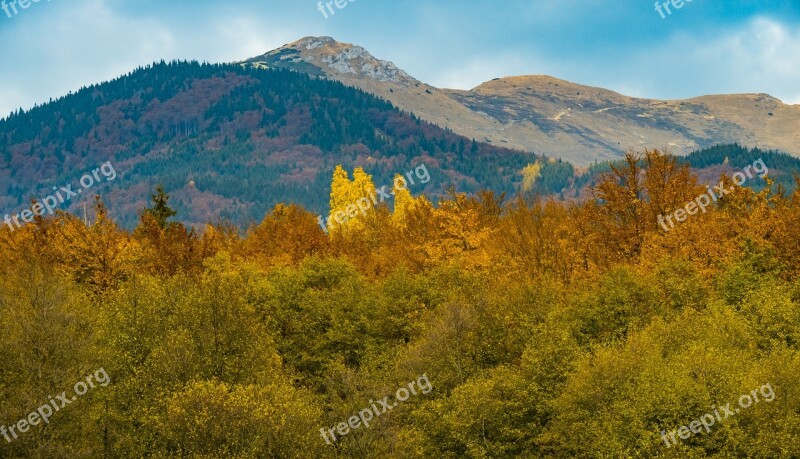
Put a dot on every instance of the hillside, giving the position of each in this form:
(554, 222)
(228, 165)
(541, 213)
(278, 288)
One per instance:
(229, 142)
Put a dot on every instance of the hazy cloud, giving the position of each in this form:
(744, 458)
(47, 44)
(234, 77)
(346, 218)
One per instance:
(56, 47)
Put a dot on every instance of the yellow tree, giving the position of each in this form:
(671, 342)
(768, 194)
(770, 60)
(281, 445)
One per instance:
(622, 193)
(530, 174)
(340, 189)
(636, 192)
(340, 196)
(404, 202)
(286, 236)
(362, 183)
(350, 200)
(98, 256)
(669, 185)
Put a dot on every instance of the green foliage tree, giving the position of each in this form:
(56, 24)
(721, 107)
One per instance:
(160, 211)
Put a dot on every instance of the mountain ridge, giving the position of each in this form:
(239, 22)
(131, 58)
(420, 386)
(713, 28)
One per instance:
(551, 116)
(230, 141)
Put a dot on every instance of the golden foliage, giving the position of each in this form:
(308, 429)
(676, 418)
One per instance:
(548, 329)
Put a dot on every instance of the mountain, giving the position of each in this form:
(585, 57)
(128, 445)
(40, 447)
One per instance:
(231, 142)
(549, 116)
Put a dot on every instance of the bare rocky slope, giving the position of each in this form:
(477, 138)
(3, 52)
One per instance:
(549, 116)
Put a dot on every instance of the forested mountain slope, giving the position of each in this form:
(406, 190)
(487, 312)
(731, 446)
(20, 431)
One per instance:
(229, 142)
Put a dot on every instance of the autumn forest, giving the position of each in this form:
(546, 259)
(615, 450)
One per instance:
(547, 328)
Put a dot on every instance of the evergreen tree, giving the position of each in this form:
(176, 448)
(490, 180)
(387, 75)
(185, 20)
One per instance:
(160, 210)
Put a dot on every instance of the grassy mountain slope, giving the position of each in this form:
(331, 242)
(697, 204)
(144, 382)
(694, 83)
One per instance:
(550, 116)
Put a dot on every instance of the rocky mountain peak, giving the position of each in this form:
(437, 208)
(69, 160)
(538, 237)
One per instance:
(334, 59)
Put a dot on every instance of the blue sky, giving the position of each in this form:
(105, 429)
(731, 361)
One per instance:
(706, 47)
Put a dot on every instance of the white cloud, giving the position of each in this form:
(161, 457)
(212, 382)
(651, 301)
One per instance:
(88, 42)
(479, 70)
(62, 46)
(75, 46)
(763, 56)
(12, 99)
